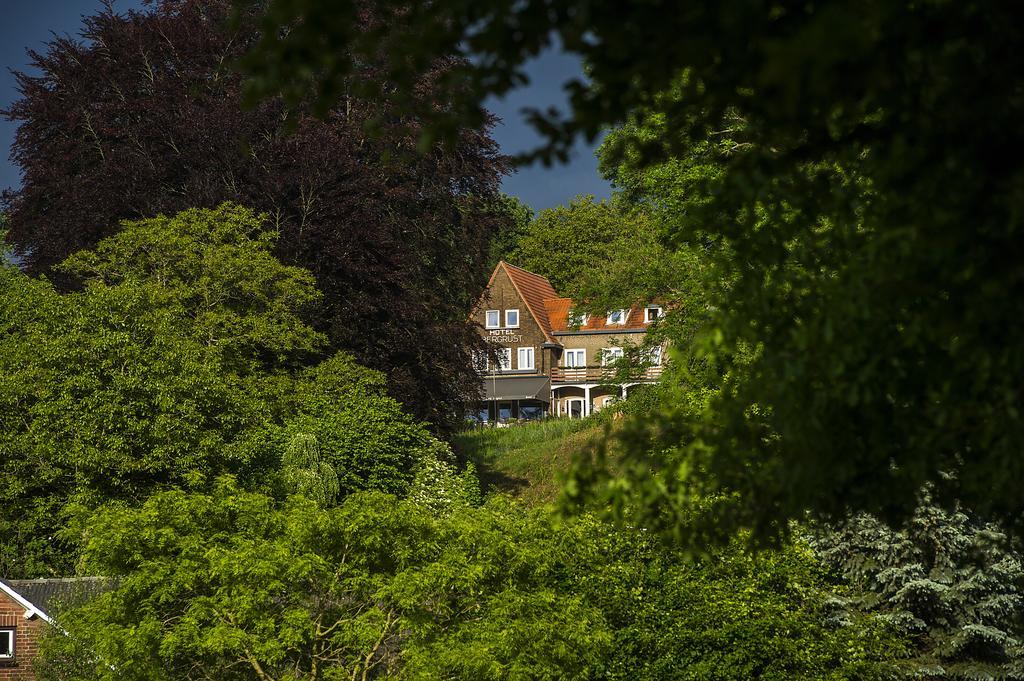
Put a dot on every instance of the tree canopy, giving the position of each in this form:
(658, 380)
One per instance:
(143, 114)
(234, 585)
(856, 165)
(183, 358)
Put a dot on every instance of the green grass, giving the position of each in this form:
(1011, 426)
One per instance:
(527, 460)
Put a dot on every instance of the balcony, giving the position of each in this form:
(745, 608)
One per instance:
(599, 374)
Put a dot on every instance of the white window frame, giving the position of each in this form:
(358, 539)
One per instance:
(581, 317)
(504, 359)
(656, 309)
(487, 319)
(609, 355)
(583, 406)
(624, 313)
(8, 633)
(655, 356)
(529, 353)
(572, 352)
(508, 324)
(481, 362)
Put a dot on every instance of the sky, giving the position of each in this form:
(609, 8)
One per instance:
(28, 24)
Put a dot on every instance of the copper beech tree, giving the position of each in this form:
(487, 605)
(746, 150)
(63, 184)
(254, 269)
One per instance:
(143, 115)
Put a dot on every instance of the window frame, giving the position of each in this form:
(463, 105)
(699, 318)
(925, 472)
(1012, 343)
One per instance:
(581, 317)
(487, 319)
(625, 314)
(613, 350)
(533, 358)
(507, 324)
(504, 359)
(647, 313)
(573, 351)
(655, 356)
(481, 361)
(9, 632)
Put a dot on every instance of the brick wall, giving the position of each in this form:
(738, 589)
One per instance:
(26, 640)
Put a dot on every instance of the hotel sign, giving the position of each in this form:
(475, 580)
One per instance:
(503, 336)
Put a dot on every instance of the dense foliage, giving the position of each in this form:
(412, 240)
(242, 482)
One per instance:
(180, 360)
(864, 184)
(947, 582)
(232, 585)
(143, 115)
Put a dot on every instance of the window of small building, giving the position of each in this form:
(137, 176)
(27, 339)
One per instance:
(617, 317)
(575, 358)
(531, 412)
(651, 313)
(610, 355)
(512, 319)
(654, 356)
(525, 358)
(493, 320)
(505, 359)
(480, 362)
(6, 643)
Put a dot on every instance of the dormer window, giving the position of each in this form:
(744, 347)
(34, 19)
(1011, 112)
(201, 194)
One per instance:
(617, 317)
(651, 313)
(493, 319)
(577, 319)
(512, 319)
(6, 644)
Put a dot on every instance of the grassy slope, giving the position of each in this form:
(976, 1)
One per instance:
(527, 460)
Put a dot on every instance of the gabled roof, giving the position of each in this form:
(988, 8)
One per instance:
(40, 596)
(533, 289)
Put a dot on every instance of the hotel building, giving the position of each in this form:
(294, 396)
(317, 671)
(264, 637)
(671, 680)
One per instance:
(547, 359)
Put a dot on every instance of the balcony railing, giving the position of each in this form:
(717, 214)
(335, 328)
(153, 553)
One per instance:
(599, 374)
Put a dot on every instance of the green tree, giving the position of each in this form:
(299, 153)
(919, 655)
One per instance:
(867, 207)
(181, 359)
(949, 583)
(567, 244)
(306, 473)
(519, 216)
(236, 585)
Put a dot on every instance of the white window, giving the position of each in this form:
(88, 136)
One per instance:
(6, 643)
(525, 358)
(617, 317)
(654, 356)
(575, 358)
(651, 312)
(493, 319)
(609, 355)
(577, 319)
(512, 319)
(504, 359)
(480, 360)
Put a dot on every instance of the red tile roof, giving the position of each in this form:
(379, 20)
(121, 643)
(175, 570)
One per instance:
(552, 312)
(533, 289)
(558, 313)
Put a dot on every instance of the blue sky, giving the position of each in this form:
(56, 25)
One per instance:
(30, 23)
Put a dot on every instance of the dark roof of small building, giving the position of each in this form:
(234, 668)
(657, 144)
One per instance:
(47, 595)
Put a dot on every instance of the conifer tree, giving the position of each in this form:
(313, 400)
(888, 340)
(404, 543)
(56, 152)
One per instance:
(947, 581)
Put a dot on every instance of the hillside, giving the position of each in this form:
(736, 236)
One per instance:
(528, 460)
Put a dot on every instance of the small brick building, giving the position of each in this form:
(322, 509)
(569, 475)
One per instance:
(25, 607)
(547, 359)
